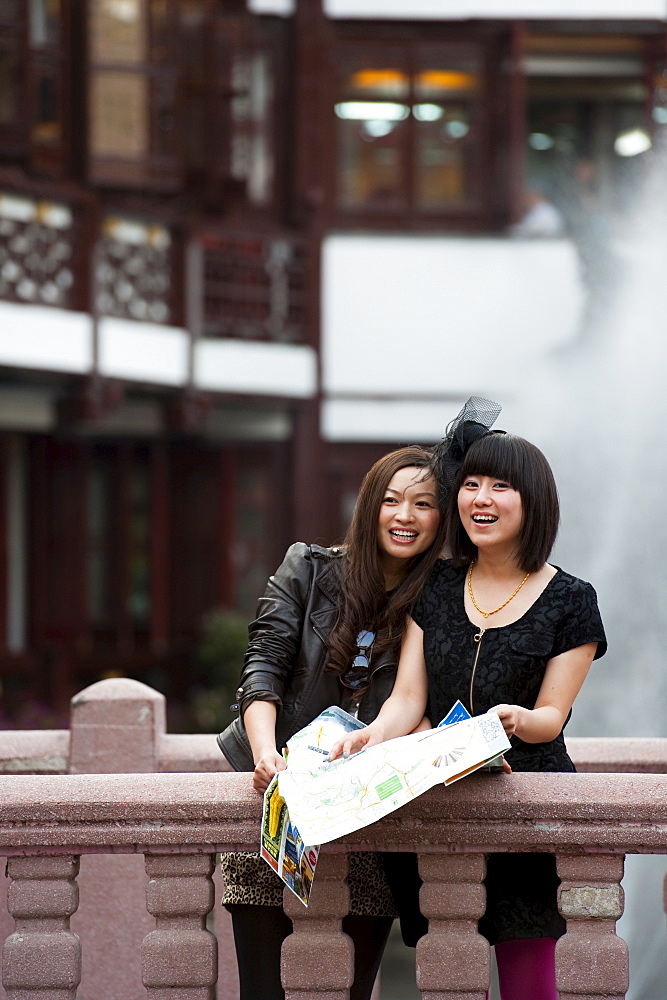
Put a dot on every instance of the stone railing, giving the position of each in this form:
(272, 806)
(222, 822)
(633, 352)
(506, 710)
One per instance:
(117, 726)
(53, 824)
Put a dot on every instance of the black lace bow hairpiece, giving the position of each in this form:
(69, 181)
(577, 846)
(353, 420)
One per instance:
(475, 419)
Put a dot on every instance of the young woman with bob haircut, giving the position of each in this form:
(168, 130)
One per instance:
(501, 629)
(520, 463)
(328, 632)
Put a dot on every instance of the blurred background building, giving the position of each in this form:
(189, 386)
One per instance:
(245, 249)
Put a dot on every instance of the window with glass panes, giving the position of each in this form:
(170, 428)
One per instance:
(412, 129)
(36, 84)
(132, 92)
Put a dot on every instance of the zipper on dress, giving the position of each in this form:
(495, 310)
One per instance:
(478, 639)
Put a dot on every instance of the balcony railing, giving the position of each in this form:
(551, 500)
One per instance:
(51, 823)
(253, 287)
(78, 256)
(38, 251)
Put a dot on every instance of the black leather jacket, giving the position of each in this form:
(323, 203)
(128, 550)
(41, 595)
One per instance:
(287, 651)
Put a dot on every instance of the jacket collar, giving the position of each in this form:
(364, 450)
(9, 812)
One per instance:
(328, 580)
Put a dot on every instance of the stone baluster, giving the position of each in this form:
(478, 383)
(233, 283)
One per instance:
(318, 958)
(117, 726)
(180, 953)
(42, 957)
(591, 960)
(453, 958)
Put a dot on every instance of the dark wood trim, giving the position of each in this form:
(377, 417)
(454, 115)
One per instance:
(14, 134)
(5, 451)
(77, 105)
(177, 278)
(15, 179)
(314, 44)
(655, 64)
(394, 30)
(227, 479)
(453, 224)
(307, 474)
(38, 543)
(52, 156)
(282, 478)
(159, 547)
(224, 38)
(87, 222)
(72, 632)
(81, 631)
(279, 34)
(517, 92)
(123, 460)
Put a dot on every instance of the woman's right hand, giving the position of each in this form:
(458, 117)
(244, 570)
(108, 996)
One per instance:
(358, 739)
(266, 767)
(260, 723)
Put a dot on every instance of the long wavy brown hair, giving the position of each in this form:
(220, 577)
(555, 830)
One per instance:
(364, 601)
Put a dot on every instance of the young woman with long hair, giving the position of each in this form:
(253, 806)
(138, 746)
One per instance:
(328, 631)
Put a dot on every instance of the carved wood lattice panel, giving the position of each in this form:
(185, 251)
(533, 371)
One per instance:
(254, 288)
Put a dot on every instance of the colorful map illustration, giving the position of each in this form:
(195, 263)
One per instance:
(329, 800)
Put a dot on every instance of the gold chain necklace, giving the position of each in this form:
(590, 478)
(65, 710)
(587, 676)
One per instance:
(486, 614)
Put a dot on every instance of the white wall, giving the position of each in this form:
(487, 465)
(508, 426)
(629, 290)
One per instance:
(411, 322)
(48, 339)
(444, 9)
(56, 340)
(401, 420)
(256, 368)
(143, 352)
(282, 7)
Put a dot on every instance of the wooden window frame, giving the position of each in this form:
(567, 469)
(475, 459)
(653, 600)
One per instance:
(52, 157)
(494, 42)
(235, 35)
(156, 170)
(14, 131)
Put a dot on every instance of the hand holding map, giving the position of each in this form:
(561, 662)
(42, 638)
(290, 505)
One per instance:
(317, 800)
(343, 796)
(353, 743)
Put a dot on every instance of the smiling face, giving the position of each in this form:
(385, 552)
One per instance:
(409, 518)
(491, 513)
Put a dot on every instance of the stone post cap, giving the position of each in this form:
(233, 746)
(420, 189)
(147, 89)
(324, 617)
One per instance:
(116, 726)
(117, 689)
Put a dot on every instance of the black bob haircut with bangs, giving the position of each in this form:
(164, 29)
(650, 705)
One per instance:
(522, 465)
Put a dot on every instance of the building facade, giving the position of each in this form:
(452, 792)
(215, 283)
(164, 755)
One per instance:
(245, 250)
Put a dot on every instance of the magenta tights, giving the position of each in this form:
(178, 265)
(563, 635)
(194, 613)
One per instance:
(527, 969)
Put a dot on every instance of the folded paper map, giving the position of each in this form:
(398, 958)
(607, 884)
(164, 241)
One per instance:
(329, 800)
(283, 849)
(281, 844)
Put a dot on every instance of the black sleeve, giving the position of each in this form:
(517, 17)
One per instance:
(581, 623)
(417, 613)
(422, 610)
(275, 634)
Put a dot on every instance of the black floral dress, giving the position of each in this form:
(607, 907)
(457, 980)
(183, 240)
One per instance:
(507, 665)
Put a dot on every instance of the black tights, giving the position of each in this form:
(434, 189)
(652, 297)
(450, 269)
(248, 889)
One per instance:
(259, 932)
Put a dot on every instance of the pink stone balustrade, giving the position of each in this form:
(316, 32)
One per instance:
(117, 726)
(148, 926)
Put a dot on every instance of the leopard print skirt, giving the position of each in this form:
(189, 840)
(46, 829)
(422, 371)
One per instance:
(248, 879)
